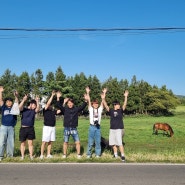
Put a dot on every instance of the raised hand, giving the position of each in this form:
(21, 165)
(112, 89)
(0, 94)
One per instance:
(59, 94)
(66, 100)
(1, 89)
(87, 89)
(104, 90)
(126, 93)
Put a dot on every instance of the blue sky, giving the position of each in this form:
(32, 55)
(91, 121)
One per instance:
(156, 57)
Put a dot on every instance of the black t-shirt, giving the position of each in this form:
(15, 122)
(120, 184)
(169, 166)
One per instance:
(49, 117)
(116, 119)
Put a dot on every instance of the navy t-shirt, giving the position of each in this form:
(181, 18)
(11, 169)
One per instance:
(28, 117)
(116, 119)
(7, 118)
(49, 117)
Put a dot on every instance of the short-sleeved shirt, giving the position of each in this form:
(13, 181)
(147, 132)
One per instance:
(7, 118)
(116, 119)
(28, 117)
(49, 117)
(95, 115)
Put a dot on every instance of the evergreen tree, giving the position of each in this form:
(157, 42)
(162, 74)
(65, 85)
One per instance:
(9, 82)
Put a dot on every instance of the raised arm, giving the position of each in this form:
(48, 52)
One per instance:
(82, 107)
(37, 99)
(16, 96)
(22, 102)
(61, 107)
(1, 95)
(88, 96)
(125, 100)
(50, 100)
(103, 95)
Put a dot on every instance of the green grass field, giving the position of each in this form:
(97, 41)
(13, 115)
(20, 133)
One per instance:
(140, 144)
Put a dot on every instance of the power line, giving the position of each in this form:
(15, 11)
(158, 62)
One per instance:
(69, 32)
(93, 29)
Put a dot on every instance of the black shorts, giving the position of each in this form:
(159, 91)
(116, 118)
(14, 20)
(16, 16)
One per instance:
(26, 133)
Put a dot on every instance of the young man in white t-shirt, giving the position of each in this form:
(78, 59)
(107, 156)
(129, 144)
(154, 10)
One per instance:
(94, 134)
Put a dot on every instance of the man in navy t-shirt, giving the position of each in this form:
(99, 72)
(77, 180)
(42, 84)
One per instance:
(8, 121)
(27, 130)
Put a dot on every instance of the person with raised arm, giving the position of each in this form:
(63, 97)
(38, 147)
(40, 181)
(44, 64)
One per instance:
(117, 125)
(70, 112)
(8, 122)
(49, 130)
(94, 132)
(27, 130)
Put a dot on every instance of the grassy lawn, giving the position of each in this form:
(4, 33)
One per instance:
(140, 144)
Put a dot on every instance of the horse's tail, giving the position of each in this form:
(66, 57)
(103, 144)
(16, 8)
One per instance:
(154, 129)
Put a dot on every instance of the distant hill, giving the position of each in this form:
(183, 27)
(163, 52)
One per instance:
(180, 96)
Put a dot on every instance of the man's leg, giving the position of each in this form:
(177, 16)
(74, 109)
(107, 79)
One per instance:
(10, 141)
(22, 148)
(30, 148)
(3, 140)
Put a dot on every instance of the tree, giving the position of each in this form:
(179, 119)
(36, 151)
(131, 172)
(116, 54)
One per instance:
(114, 90)
(37, 83)
(9, 82)
(24, 84)
(95, 86)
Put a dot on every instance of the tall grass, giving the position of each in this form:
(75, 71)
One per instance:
(141, 145)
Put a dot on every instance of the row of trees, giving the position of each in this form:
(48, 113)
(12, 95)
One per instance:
(143, 98)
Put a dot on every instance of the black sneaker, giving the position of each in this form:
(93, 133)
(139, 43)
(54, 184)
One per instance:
(123, 158)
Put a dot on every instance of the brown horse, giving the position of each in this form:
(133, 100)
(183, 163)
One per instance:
(163, 126)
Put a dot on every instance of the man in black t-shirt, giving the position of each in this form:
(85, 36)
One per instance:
(70, 112)
(48, 133)
(116, 125)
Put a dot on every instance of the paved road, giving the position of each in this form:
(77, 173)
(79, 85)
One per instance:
(91, 174)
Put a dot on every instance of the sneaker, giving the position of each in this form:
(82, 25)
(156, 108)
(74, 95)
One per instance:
(79, 156)
(88, 156)
(64, 156)
(123, 158)
(49, 156)
(41, 157)
(97, 156)
(31, 158)
(115, 156)
(21, 158)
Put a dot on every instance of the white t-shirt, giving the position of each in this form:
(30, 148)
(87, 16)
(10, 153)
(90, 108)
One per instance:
(95, 114)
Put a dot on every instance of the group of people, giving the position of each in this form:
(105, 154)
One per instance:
(10, 109)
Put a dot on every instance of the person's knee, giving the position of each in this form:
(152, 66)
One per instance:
(77, 142)
(65, 143)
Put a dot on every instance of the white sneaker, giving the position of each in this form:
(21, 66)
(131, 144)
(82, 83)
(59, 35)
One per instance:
(64, 156)
(41, 157)
(21, 158)
(49, 156)
(97, 156)
(31, 158)
(79, 156)
(88, 157)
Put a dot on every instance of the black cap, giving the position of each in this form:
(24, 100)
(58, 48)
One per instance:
(116, 102)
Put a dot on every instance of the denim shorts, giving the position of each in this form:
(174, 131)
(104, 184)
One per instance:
(68, 131)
